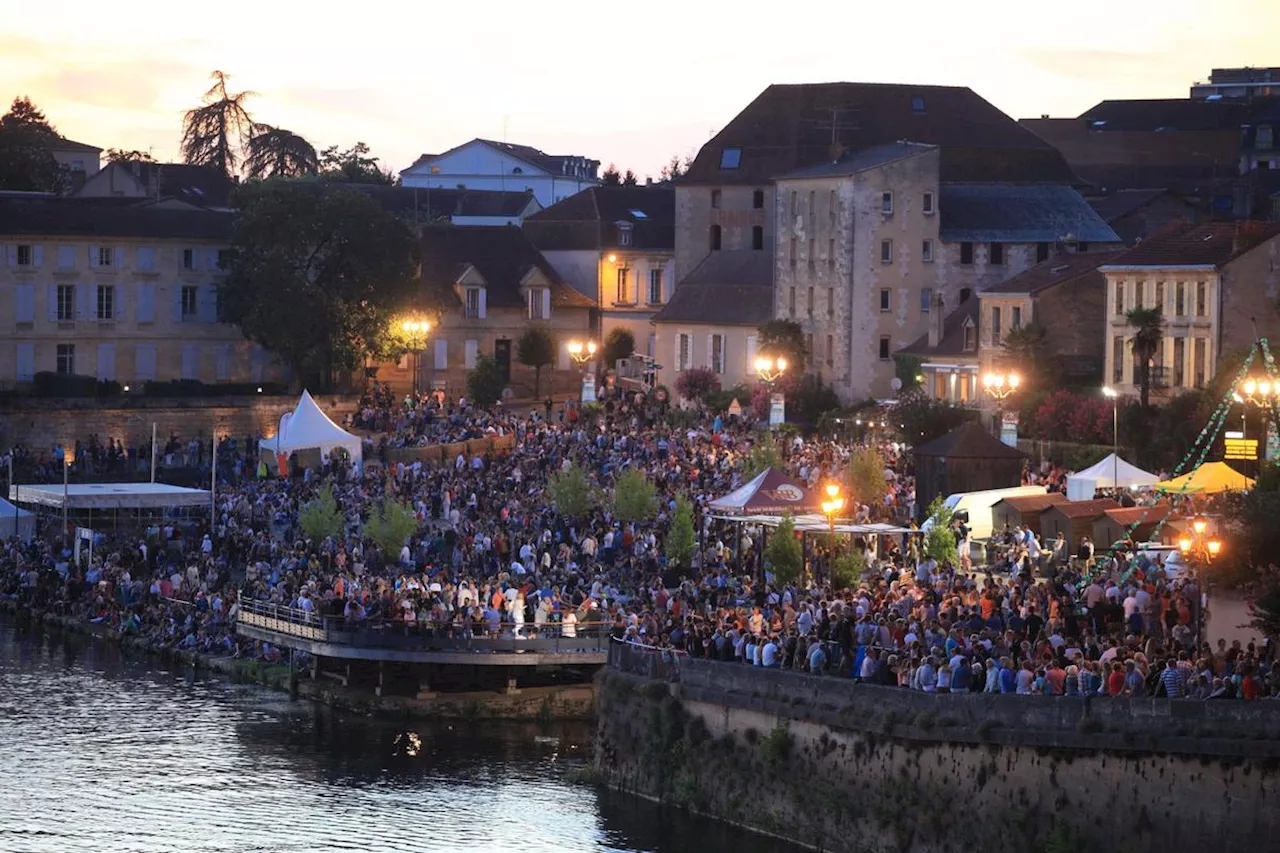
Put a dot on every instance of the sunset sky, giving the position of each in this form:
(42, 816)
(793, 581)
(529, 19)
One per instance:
(624, 83)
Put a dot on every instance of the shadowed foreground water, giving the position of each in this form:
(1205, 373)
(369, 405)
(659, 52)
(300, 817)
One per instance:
(104, 752)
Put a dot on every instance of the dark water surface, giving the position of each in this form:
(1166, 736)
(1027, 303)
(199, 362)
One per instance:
(102, 751)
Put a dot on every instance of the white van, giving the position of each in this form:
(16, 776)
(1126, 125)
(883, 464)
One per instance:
(975, 507)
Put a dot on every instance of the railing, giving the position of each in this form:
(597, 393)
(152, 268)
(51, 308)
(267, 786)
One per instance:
(647, 661)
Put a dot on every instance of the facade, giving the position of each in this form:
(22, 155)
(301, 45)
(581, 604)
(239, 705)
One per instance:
(1238, 83)
(1212, 282)
(948, 354)
(120, 293)
(177, 183)
(482, 288)
(616, 246)
(484, 164)
(81, 161)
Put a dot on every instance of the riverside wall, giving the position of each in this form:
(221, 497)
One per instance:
(835, 765)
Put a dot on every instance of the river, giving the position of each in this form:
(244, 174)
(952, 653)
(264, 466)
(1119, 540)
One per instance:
(103, 751)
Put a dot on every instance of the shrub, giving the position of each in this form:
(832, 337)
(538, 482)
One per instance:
(783, 553)
(697, 383)
(321, 518)
(634, 497)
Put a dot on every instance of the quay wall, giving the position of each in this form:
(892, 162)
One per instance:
(835, 765)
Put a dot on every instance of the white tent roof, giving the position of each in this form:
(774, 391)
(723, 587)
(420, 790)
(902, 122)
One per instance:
(1111, 473)
(14, 521)
(101, 496)
(307, 427)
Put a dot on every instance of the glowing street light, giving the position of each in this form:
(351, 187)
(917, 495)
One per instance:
(830, 507)
(417, 332)
(1202, 550)
(582, 353)
(1001, 385)
(770, 369)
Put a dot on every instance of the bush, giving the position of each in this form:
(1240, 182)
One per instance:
(570, 492)
(50, 384)
(321, 518)
(847, 569)
(196, 388)
(697, 383)
(634, 497)
(485, 382)
(783, 553)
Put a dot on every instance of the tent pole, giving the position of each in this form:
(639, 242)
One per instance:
(153, 451)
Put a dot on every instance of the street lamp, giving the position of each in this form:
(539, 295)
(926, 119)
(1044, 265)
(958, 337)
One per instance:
(582, 353)
(1108, 391)
(830, 507)
(1202, 549)
(770, 370)
(1000, 386)
(417, 331)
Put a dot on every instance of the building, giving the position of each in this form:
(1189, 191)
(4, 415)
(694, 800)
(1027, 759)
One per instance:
(119, 291)
(1073, 521)
(484, 164)
(947, 354)
(616, 246)
(713, 316)
(81, 161)
(482, 287)
(1137, 214)
(174, 183)
(1238, 83)
(427, 205)
(1212, 282)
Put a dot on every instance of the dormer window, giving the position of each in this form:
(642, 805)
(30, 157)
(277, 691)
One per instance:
(970, 335)
(730, 158)
(624, 234)
(539, 303)
(474, 303)
(917, 104)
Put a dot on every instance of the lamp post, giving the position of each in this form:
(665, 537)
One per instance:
(1202, 549)
(833, 504)
(582, 354)
(417, 331)
(1114, 395)
(1263, 392)
(770, 370)
(1000, 386)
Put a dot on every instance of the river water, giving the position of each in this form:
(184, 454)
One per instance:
(101, 751)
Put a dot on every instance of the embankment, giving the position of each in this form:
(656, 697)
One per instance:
(839, 766)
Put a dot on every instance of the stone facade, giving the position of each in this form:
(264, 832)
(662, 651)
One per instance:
(737, 211)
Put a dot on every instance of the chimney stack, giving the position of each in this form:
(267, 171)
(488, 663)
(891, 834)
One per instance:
(936, 322)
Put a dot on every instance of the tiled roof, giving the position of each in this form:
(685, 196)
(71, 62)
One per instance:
(431, 204)
(1034, 503)
(1211, 244)
(1058, 270)
(852, 162)
(1123, 202)
(970, 441)
(553, 164)
(65, 144)
(109, 217)
(952, 341)
(1085, 509)
(1174, 114)
(1139, 514)
(203, 186)
(589, 219)
(1007, 213)
(731, 288)
(788, 127)
(502, 255)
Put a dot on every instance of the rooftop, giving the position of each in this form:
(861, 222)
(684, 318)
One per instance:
(1121, 203)
(1084, 509)
(1034, 503)
(730, 288)
(1139, 514)
(1058, 270)
(953, 336)
(1019, 213)
(109, 217)
(430, 204)
(970, 441)
(555, 164)
(852, 162)
(1210, 244)
(591, 219)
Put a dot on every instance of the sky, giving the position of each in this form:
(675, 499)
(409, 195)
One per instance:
(630, 84)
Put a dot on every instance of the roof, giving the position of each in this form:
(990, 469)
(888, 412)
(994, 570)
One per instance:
(65, 144)
(852, 162)
(788, 127)
(1178, 114)
(1123, 202)
(1139, 514)
(590, 219)
(952, 341)
(729, 288)
(1007, 213)
(1210, 244)
(1058, 270)
(554, 164)
(110, 217)
(1033, 503)
(769, 493)
(204, 186)
(430, 204)
(1084, 509)
(501, 254)
(970, 441)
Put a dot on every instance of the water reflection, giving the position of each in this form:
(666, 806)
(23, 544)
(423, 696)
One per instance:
(101, 751)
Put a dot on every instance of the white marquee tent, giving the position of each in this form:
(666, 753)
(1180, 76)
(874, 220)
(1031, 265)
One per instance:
(14, 521)
(1111, 473)
(307, 428)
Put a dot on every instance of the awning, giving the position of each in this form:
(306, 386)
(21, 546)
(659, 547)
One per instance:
(1209, 479)
(103, 496)
(769, 493)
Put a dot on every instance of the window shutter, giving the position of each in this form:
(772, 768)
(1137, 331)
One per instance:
(25, 303)
(256, 359)
(711, 343)
(37, 256)
(13, 255)
(675, 356)
(144, 366)
(190, 357)
(177, 303)
(93, 257)
(469, 355)
(117, 257)
(562, 360)
(546, 303)
(52, 291)
(106, 362)
(26, 362)
(751, 354)
(118, 302)
(82, 301)
(146, 303)
(222, 368)
(66, 257)
(483, 302)
(442, 354)
(207, 303)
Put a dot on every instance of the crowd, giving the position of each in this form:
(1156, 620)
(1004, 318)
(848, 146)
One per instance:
(419, 419)
(491, 556)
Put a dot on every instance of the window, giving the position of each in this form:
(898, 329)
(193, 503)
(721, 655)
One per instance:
(67, 358)
(621, 295)
(831, 350)
(144, 260)
(757, 199)
(66, 303)
(926, 206)
(965, 293)
(715, 199)
(926, 251)
(995, 253)
(757, 237)
(1042, 252)
(1198, 351)
(473, 303)
(66, 257)
(831, 208)
(809, 302)
(1119, 298)
(655, 287)
(884, 348)
(190, 306)
(791, 301)
(813, 256)
(1117, 359)
(684, 343)
(995, 327)
(538, 307)
(1016, 318)
(966, 253)
(1179, 362)
(792, 253)
(224, 258)
(1180, 299)
(730, 158)
(188, 259)
(717, 353)
(886, 203)
(886, 300)
(831, 301)
(104, 256)
(1139, 290)
(1082, 246)
(1202, 299)
(715, 238)
(886, 251)
(1265, 138)
(970, 335)
(1159, 295)
(793, 204)
(926, 300)
(808, 344)
(25, 256)
(812, 196)
(106, 302)
(917, 104)
(624, 234)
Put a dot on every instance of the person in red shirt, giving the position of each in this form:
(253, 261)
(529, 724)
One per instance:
(1115, 682)
(1249, 686)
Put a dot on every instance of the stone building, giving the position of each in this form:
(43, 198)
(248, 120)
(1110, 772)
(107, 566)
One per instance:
(486, 164)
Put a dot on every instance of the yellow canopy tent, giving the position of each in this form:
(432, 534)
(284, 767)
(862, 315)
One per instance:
(1209, 479)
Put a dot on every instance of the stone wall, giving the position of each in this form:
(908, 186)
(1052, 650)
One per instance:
(40, 424)
(839, 766)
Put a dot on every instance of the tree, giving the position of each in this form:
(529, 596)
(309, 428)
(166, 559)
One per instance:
(317, 274)
(279, 153)
(922, 418)
(783, 338)
(676, 168)
(618, 344)
(762, 456)
(940, 541)
(809, 399)
(865, 477)
(120, 155)
(485, 382)
(1064, 416)
(697, 383)
(783, 553)
(26, 150)
(847, 569)
(634, 497)
(611, 177)
(536, 348)
(390, 526)
(1148, 324)
(630, 179)
(681, 539)
(1028, 348)
(216, 134)
(320, 518)
(907, 370)
(354, 166)
(570, 492)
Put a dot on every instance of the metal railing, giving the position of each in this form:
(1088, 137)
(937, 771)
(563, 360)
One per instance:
(647, 661)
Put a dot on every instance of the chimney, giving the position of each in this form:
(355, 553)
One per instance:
(936, 321)
(648, 181)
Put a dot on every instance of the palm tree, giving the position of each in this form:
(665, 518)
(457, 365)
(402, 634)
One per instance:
(1148, 324)
(217, 133)
(276, 152)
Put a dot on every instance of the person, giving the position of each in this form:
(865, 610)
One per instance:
(547, 404)
(1171, 678)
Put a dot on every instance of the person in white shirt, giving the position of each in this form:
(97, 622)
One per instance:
(569, 625)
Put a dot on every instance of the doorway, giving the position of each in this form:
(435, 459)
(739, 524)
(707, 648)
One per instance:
(502, 355)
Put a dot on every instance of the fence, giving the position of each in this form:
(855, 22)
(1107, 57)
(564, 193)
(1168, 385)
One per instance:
(435, 454)
(646, 661)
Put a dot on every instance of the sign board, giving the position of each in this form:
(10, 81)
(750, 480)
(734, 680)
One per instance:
(1009, 428)
(735, 408)
(1241, 448)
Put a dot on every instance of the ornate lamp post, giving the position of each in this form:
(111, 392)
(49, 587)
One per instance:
(1000, 386)
(582, 354)
(1201, 550)
(770, 370)
(417, 332)
(832, 505)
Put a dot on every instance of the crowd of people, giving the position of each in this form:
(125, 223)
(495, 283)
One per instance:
(492, 557)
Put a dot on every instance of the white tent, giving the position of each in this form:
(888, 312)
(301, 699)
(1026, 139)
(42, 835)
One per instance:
(1111, 473)
(16, 521)
(306, 427)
